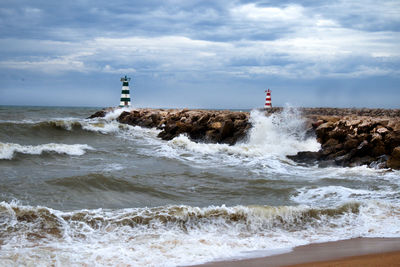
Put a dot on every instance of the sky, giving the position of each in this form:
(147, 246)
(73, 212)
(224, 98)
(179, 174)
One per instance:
(200, 54)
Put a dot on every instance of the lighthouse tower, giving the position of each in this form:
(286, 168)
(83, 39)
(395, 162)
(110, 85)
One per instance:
(268, 99)
(125, 96)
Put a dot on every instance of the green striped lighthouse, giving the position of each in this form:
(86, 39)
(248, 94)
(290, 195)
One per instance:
(125, 96)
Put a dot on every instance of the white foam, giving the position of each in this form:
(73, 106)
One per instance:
(104, 127)
(264, 150)
(115, 113)
(191, 235)
(8, 150)
(108, 124)
(113, 167)
(334, 195)
(279, 134)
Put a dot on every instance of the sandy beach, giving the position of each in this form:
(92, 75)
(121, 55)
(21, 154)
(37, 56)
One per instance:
(353, 252)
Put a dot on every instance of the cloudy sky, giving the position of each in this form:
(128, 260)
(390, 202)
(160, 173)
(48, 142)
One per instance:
(201, 54)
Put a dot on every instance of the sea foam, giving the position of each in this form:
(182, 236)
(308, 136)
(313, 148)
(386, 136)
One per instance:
(268, 142)
(8, 150)
(279, 134)
(180, 235)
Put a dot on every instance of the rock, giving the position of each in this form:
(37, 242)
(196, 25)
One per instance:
(184, 127)
(98, 114)
(306, 157)
(216, 125)
(363, 148)
(317, 123)
(212, 136)
(343, 160)
(323, 131)
(348, 137)
(169, 132)
(358, 161)
(378, 147)
(123, 117)
(331, 142)
(391, 141)
(351, 143)
(394, 159)
(352, 123)
(364, 127)
(380, 163)
(382, 130)
(339, 133)
(355, 140)
(394, 124)
(227, 129)
(327, 163)
(376, 137)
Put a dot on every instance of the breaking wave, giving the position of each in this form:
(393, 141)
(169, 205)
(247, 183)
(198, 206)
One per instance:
(280, 134)
(266, 146)
(8, 150)
(179, 235)
(330, 195)
(105, 125)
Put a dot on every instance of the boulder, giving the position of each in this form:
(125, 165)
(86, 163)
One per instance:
(306, 157)
(348, 137)
(323, 131)
(98, 114)
(391, 141)
(351, 143)
(382, 130)
(394, 159)
(379, 163)
(359, 161)
(227, 129)
(216, 125)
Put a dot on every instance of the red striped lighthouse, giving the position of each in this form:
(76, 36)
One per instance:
(268, 99)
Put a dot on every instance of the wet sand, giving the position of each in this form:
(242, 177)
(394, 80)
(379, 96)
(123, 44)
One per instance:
(352, 252)
(373, 260)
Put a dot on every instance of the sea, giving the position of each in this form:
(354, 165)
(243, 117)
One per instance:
(94, 192)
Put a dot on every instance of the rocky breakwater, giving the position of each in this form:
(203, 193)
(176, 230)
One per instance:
(200, 125)
(351, 137)
(348, 137)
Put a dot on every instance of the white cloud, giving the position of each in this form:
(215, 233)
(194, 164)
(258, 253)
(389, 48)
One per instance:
(253, 12)
(109, 69)
(312, 45)
(326, 23)
(56, 65)
(309, 56)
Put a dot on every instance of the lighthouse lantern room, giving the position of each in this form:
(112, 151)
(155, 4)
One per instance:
(125, 96)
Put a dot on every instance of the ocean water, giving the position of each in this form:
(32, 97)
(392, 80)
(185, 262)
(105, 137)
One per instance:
(75, 192)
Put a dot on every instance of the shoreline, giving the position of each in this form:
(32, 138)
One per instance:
(350, 252)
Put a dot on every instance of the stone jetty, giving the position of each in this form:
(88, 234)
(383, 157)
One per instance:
(348, 137)
(212, 126)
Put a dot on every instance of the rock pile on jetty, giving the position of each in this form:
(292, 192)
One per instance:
(201, 125)
(348, 137)
(354, 141)
(205, 125)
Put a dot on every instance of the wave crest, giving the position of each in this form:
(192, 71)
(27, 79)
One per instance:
(8, 150)
(180, 235)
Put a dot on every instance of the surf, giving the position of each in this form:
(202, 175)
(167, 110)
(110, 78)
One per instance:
(9, 150)
(180, 234)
